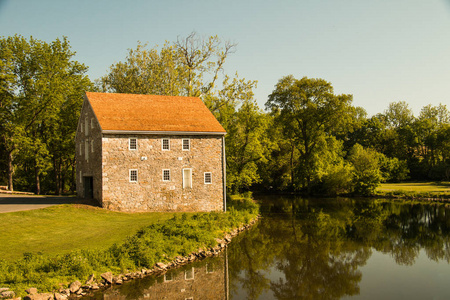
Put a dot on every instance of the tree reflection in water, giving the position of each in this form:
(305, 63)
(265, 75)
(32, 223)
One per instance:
(316, 247)
(305, 249)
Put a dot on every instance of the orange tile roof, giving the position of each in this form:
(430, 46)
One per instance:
(129, 112)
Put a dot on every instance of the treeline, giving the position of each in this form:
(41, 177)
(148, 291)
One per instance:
(307, 140)
(41, 89)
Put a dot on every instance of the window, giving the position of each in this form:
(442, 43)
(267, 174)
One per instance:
(92, 146)
(165, 144)
(133, 175)
(92, 122)
(132, 143)
(189, 274)
(81, 148)
(86, 150)
(186, 144)
(86, 126)
(81, 177)
(168, 277)
(208, 178)
(166, 175)
(187, 178)
(209, 268)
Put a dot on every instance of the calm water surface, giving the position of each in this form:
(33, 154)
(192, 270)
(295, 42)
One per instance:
(319, 249)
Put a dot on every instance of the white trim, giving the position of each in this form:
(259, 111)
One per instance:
(189, 144)
(210, 178)
(129, 175)
(86, 150)
(163, 132)
(129, 143)
(189, 184)
(193, 274)
(162, 144)
(163, 175)
(86, 126)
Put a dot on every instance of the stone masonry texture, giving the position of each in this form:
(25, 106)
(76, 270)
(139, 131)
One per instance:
(110, 160)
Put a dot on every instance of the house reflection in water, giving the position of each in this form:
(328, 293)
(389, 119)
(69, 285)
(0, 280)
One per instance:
(207, 279)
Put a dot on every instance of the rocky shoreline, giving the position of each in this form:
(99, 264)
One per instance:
(76, 289)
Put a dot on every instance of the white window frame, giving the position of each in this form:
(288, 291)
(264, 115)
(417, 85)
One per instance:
(168, 278)
(210, 178)
(163, 175)
(86, 150)
(186, 274)
(188, 144)
(86, 126)
(162, 144)
(209, 268)
(187, 182)
(129, 143)
(130, 175)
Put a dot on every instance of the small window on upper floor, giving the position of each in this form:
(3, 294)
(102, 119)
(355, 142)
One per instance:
(186, 144)
(132, 144)
(165, 144)
(189, 274)
(86, 150)
(86, 126)
(208, 177)
(92, 123)
(166, 175)
(133, 175)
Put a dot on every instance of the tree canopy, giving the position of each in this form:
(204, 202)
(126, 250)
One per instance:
(309, 139)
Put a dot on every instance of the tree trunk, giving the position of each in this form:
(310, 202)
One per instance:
(57, 173)
(38, 180)
(10, 171)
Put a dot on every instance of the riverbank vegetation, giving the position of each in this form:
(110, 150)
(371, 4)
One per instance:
(160, 238)
(308, 140)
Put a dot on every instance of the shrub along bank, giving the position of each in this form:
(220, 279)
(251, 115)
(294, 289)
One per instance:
(162, 242)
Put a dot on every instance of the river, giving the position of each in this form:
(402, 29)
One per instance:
(319, 249)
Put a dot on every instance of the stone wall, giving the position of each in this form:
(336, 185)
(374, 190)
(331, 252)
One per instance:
(88, 152)
(151, 192)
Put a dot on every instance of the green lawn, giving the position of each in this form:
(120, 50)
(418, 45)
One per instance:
(62, 228)
(438, 188)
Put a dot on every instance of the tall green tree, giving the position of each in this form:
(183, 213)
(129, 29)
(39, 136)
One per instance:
(191, 66)
(309, 112)
(39, 80)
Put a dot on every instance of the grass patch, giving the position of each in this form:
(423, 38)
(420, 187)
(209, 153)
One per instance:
(62, 228)
(168, 236)
(440, 190)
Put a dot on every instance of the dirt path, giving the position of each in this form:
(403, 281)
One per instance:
(10, 203)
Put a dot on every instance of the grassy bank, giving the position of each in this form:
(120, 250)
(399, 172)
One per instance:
(425, 190)
(168, 236)
(60, 229)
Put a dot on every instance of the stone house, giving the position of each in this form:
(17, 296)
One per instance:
(150, 153)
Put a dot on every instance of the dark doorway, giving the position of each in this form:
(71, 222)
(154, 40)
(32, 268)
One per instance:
(88, 187)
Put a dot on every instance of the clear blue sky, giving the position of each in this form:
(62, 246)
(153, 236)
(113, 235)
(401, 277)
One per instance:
(380, 51)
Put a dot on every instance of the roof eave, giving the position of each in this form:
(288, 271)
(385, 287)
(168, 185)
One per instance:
(138, 132)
